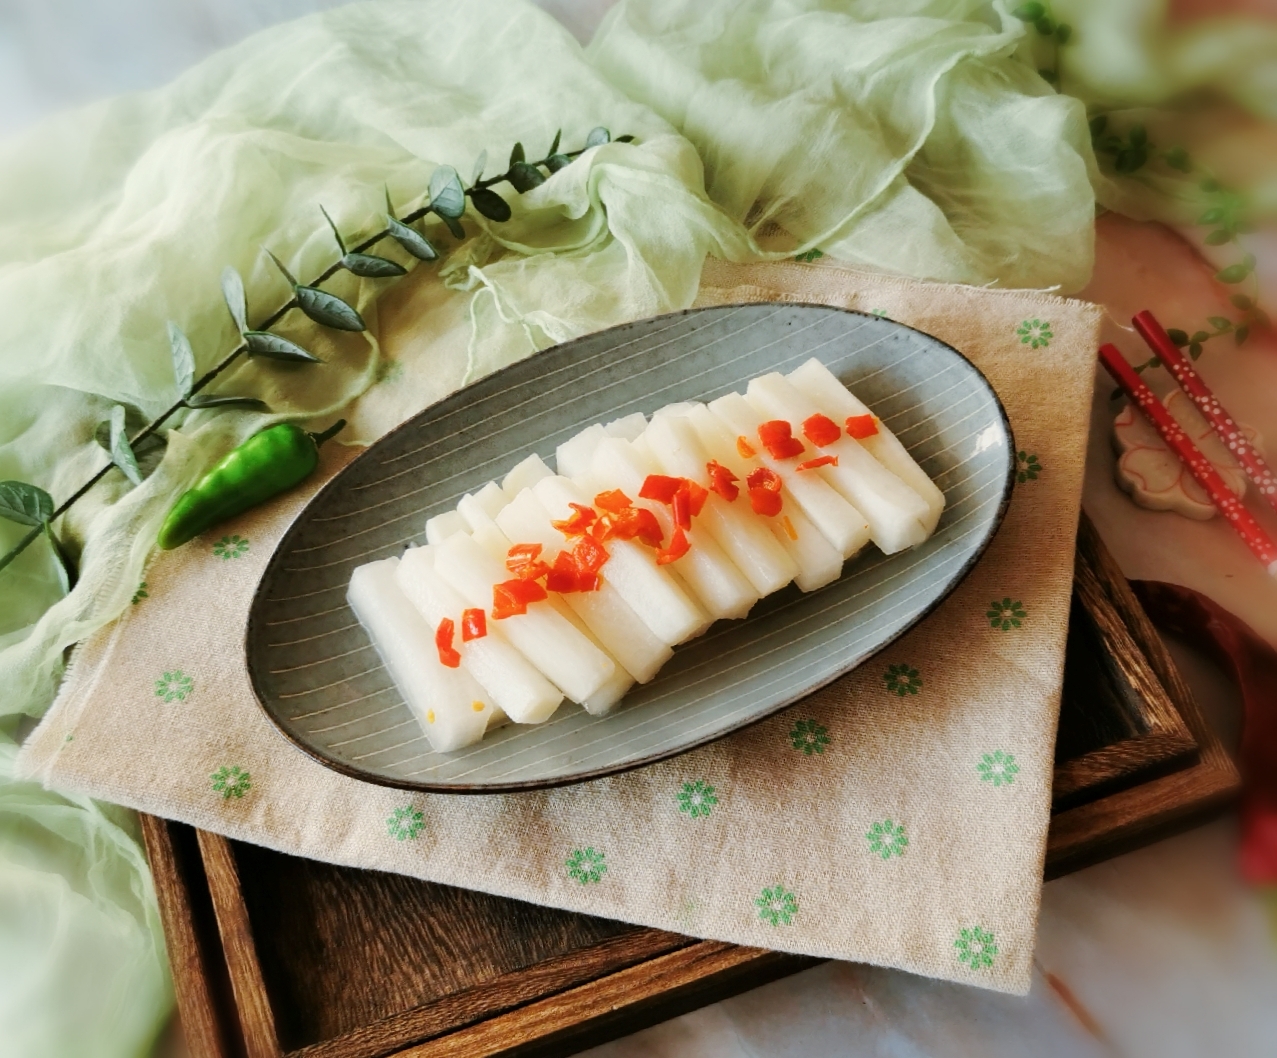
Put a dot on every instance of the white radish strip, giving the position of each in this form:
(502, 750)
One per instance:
(707, 572)
(627, 427)
(451, 707)
(442, 526)
(609, 696)
(897, 515)
(479, 508)
(819, 562)
(525, 474)
(542, 635)
(822, 388)
(512, 682)
(651, 592)
(573, 456)
(605, 612)
(733, 526)
(838, 521)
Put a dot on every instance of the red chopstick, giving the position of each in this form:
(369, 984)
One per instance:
(1207, 476)
(1208, 404)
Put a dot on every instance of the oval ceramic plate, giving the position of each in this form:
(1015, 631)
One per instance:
(320, 680)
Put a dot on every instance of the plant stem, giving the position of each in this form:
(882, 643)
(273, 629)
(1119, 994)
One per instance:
(21, 546)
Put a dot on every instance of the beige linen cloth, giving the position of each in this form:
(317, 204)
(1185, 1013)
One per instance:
(897, 817)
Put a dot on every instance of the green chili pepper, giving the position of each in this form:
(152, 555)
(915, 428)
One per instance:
(265, 465)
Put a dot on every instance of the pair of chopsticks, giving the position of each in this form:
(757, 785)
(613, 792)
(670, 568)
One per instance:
(1232, 508)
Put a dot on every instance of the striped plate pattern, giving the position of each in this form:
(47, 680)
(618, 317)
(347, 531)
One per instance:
(320, 680)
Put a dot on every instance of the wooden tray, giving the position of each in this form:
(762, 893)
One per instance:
(274, 955)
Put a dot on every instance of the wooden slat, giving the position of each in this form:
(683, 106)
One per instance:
(257, 1020)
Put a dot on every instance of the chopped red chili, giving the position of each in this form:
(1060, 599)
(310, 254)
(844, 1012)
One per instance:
(614, 501)
(524, 562)
(511, 597)
(763, 478)
(745, 449)
(779, 440)
(861, 426)
(764, 492)
(474, 624)
(589, 555)
(682, 506)
(821, 430)
(660, 487)
(563, 578)
(579, 522)
(443, 643)
(696, 495)
(677, 549)
(819, 461)
(722, 480)
(636, 522)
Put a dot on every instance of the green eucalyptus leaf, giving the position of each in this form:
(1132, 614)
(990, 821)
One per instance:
(517, 155)
(25, 504)
(524, 177)
(479, 164)
(233, 292)
(1217, 238)
(1130, 160)
(554, 147)
(1199, 336)
(1044, 26)
(371, 266)
(1155, 362)
(280, 265)
(490, 204)
(454, 226)
(597, 136)
(1241, 334)
(1195, 350)
(341, 244)
(1241, 301)
(273, 347)
(121, 451)
(1180, 338)
(1063, 32)
(1233, 273)
(1098, 124)
(67, 574)
(411, 240)
(1177, 158)
(1029, 12)
(1138, 136)
(557, 161)
(1220, 323)
(447, 197)
(328, 309)
(183, 359)
(1212, 216)
(226, 402)
(1260, 317)
(627, 138)
(1049, 76)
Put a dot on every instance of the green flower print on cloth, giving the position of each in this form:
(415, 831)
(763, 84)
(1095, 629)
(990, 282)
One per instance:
(140, 594)
(777, 906)
(809, 736)
(174, 686)
(405, 823)
(887, 839)
(586, 865)
(810, 255)
(233, 546)
(1006, 614)
(976, 948)
(1035, 333)
(1027, 467)
(231, 782)
(390, 371)
(998, 768)
(902, 680)
(696, 799)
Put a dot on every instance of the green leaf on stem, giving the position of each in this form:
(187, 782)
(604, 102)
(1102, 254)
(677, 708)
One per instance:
(447, 197)
(479, 164)
(597, 136)
(1199, 336)
(554, 147)
(557, 161)
(1138, 136)
(1130, 159)
(517, 155)
(226, 402)
(1241, 334)
(1195, 350)
(1212, 216)
(411, 240)
(1260, 318)
(524, 177)
(627, 138)
(490, 204)
(121, 451)
(1098, 124)
(183, 359)
(1063, 32)
(371, 266)
(1177, 158)
(1241, 301)
(280, 265)
(233, 292)
(328, 309)
(1220, 323)
(1180, 338)
(273, 347)
(1029, 12)
(25, 504)
(1218, 237)
(341, 245)
(1044, 26)
(67, 573)
(1233, 273)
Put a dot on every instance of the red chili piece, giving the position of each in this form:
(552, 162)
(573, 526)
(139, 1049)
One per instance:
(722, 480)
(523, 560)
(745, 449)
(682, 508)
(443, 643)
(563, 578)
(660, 487)
(677, 549)
(764, 492)
(580, 521)
(821, 430)
(861, 426)
(589, 555)
(474, 624)
(819, 461)
(511, 597)
(614, 502)
(779, 440)
(636, 522)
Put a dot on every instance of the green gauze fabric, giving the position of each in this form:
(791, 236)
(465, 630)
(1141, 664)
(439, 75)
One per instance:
(905, 135)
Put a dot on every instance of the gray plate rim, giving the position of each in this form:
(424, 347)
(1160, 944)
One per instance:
(574, 779)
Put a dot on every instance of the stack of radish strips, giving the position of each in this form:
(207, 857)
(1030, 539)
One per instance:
(579, 584)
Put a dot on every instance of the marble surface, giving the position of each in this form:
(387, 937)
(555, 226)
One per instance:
(1160, 952)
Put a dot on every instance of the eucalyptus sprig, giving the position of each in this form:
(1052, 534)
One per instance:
(1038, 13)
(29, 505)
